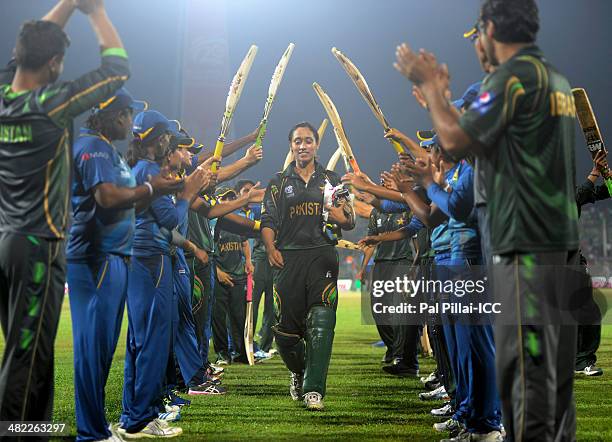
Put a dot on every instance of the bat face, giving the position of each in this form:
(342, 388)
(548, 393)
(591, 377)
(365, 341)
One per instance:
(588, 122)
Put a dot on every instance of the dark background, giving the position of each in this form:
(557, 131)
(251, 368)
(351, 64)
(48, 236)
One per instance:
(575, 36)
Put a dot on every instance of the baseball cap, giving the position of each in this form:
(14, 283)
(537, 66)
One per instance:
(121, 100)
(427, 138)
(225, 192)
(471, 34)
(151, 124)
(469, 96)
(184, 141)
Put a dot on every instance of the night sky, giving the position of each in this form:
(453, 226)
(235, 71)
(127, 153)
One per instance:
(574, 35)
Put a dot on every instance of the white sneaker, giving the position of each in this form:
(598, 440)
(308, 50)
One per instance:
(437, 394)
(172, 408)
(432, 377)
(464, 436)
(313, 401)
(153, 429)
(590, 370)
(172, 416)
(448, 425)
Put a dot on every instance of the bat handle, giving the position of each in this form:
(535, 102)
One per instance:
(261, 133)
(354, 165)
(218, 151)
(397, 146)
(608, 182)
(249, 291)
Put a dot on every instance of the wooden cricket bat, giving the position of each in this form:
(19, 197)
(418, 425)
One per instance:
(248, 323)
(233, 97)
(277, 77)
(321, 131)
(363, 88)
(590, 128)
(336, 122)
(344, 244)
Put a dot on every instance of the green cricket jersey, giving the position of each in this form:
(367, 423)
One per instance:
(229, 255)
(35, 145)
(524, 118)
(199, 231)
(389, 222)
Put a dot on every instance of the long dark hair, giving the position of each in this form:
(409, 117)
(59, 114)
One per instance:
(104, 122)
(307, 125)
(137, 150)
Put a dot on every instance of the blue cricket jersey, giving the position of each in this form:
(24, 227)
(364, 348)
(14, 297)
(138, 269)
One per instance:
(155, 224)
(96, 231)
(458, 206)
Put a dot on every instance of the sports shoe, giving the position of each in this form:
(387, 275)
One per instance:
(222, 361)
(175, 399)
(273, 351)
(313, 401)
(438, 394)
(387, 358)
(114, 437)
(295, 386)
(432, 385)
(261, 355)
(465, 436)
(400, 370)
(449, 425)
(446, 410)
(590, 370)
(153, 429)
(172, 416)
(433, 377)
(207, 387)
(214, 371)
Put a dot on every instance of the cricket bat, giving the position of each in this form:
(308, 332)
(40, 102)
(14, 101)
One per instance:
(277, 77)
(321, 131)
(336, 122)
(363, 88)
(248, 323)
(590, 128)
(344, 244)
(233, 97)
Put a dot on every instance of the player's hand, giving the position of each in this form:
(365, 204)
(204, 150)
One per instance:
(421, 170)
(88, 6)
(164, 184)
(337, 214)
(256, 194)
(359, 181)
(253, 135)
(369, 241)
(275, 257)
(364, 196)
(419, 97)
(224, 278)
(249, 268)
(439, 176)
(201, 255)
(600, 163)
(418, 67)
(254, 154)
(394, 134)
(198, 179)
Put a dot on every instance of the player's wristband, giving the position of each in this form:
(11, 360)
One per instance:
(150, 187)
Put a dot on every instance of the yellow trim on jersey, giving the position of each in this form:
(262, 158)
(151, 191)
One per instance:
(87, 91)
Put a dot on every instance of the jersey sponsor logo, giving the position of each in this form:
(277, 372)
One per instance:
(15, 133)
(289, 191)
(305, 209)
(379, 222)
(484, 102)
(329, 274)
(89, 156)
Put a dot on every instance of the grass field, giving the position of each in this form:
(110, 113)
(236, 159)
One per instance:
(362, 402)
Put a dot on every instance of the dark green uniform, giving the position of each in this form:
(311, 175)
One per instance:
(202, 279)
(524, 119)
(35, 172)
(263, 283)
(305, 289)
(229, 311)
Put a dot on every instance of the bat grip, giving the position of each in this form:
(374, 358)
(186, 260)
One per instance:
(249, 290)
(354, 165)
(261, 133)
(608, 182)
(397, 146)
(218, 151)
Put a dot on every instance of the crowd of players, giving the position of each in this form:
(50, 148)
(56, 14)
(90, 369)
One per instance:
(492, 185)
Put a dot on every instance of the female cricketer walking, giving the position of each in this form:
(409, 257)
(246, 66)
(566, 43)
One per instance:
(303, 212)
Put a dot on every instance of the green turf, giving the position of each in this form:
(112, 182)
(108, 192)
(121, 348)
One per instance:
(362, 402)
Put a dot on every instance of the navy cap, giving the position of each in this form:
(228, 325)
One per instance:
(121, 100)
(225, 192)
(472, 34)
(427, 138)
(184, 141)
(469, 96)
(151, 124)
